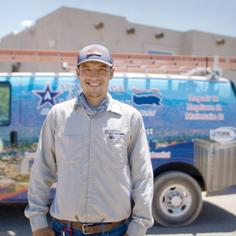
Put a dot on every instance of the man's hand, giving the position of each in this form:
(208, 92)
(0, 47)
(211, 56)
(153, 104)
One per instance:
(44, 232)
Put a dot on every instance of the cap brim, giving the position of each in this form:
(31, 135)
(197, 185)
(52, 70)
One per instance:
(97, 60)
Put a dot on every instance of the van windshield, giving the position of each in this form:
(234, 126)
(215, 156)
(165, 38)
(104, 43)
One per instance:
(4, 104)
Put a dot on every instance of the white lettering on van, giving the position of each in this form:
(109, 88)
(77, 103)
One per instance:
(200, 107)
(44, 111)
(149, 131)
(149, 113)
(198, 99)
(71, 89)
(197, 108)
(203, 116)
(163, 154)
(116, 88)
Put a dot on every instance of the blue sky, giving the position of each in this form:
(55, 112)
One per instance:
(215, 16)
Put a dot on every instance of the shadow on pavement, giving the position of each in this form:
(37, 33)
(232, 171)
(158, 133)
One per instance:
(212, 219)
(13, 221)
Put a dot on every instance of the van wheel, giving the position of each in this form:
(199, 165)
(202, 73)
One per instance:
(177, 199)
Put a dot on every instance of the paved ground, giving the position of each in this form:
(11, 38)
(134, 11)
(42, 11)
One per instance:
(218, 218)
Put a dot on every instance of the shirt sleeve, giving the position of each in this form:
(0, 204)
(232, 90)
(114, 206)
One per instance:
(43, 175)
(142, 179)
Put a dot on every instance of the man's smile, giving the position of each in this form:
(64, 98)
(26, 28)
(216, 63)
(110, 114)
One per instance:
(94, 84)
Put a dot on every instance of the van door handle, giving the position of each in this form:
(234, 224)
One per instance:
(14, 138)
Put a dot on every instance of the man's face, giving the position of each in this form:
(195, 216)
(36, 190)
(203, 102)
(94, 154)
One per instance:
(94, 78)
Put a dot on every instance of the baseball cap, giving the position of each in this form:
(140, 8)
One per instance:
(95, 52)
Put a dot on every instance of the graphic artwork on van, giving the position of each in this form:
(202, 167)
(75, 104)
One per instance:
(47, 96)
(1, 145)
(148, 97)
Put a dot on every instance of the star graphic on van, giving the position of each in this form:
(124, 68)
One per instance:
(47, 96)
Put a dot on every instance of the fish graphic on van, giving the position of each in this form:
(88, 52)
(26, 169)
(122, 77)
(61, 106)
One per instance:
(146, 97)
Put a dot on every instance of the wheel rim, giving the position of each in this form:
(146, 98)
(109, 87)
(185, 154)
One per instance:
(175, 200)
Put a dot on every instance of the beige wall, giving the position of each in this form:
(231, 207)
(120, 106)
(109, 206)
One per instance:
(201, 43)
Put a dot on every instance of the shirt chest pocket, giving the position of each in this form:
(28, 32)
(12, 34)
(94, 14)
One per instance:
(72, 148)
(117, 144)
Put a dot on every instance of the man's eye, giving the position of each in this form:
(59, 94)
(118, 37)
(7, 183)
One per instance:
(86, 71)
(103, 71)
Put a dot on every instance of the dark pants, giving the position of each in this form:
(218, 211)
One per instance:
(64, 230)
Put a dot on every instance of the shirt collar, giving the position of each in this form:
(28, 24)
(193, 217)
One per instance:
(113, 105)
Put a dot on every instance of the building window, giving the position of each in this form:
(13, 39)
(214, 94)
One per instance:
(5, 103)
(159, 52)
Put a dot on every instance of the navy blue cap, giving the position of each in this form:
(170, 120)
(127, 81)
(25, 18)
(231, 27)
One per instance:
(95, 52)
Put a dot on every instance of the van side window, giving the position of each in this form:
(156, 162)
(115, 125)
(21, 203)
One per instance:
(161, 84)
(116, 85)
(138, 83)
(4, 103)
(195, 87)
(225, 91)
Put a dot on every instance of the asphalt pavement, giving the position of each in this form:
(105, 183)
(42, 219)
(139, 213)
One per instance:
(217, 218)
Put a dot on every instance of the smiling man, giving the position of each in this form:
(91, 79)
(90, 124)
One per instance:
(95, 147)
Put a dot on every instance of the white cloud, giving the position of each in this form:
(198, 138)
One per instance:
(27, 23)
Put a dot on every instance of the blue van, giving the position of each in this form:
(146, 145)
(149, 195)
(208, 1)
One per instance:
(189, 120)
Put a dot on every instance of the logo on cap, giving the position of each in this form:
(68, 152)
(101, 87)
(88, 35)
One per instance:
(93, 53)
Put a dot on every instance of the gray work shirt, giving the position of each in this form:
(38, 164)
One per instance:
(99, 162)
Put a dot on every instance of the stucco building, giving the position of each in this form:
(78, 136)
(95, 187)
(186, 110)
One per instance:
(71, 29)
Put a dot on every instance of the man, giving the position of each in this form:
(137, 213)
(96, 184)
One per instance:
(95, 148)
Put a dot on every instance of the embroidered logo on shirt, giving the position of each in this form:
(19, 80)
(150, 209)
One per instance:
(111, 134)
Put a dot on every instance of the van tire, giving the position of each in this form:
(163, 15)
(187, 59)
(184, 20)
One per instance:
(177, 199)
